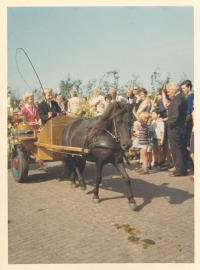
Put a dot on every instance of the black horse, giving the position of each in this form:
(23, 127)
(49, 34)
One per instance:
(107, 138)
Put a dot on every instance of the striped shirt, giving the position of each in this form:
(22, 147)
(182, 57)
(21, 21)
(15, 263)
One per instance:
(145, 134)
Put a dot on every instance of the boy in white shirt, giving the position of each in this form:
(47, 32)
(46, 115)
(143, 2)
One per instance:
(158, 137)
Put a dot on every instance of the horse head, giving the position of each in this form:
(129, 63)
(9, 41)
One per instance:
(122, 122)
(117, 121)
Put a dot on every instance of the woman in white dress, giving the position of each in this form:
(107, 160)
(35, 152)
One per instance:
(74, 102)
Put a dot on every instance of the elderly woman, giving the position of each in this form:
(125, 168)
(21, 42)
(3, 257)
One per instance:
(73, 102)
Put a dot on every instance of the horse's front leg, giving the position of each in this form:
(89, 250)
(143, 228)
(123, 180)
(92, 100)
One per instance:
(98, 179)
(121, 169)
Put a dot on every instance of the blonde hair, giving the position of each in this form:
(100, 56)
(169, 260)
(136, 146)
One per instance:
(113, 90)
(27, 95)
(73, 93)
(136, 123)
(129, 89)
(145, 115)
(46, 91)
(96, 90)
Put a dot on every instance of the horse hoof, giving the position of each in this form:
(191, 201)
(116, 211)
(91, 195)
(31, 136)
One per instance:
(96, 200)
(133, 206)
(83, 188)
(73, 186)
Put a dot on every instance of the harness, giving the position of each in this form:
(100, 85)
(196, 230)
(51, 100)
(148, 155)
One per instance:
(102, 144)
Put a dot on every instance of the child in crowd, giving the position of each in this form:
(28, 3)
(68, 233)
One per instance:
(84, 100)
(144, 142)
(48, 108)
(30, 112)
(107, 99)
(135, 143)
(158, 137)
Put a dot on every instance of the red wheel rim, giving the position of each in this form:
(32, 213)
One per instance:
(15, 163)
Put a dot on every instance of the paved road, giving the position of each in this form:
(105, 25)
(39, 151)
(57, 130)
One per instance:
(49, 222)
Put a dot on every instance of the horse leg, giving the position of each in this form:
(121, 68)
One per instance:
(72, 179)
(98, 179)
(80, 178)
(121, 169)
(69, 172)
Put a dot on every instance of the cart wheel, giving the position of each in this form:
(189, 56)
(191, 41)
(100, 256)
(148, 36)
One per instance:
(19, 163)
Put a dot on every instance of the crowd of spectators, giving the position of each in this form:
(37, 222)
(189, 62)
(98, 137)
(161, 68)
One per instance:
(163, 127)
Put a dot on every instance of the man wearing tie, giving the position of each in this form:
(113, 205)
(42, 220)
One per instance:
(176, 128)
(48, 108)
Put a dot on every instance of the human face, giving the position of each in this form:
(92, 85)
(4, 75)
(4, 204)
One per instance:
(30, 100)
(128, 93)
(48, 96)
(58, 99)
(154, 116)
(97, 93)
(113, 94)
(142, 95)
(84, 100)
(171, 92)
(186, 90)
(108, 101)
(135, 90)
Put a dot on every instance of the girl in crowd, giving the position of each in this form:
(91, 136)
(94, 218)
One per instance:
(84, 100)
(144, 142)
(135, 143)
(107, 99)
(30, 112)
(73, 102)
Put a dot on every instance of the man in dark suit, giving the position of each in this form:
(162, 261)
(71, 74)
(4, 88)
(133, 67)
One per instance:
(48, 108)
(176, 128)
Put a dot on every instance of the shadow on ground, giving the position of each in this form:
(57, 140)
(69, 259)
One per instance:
(112, 181)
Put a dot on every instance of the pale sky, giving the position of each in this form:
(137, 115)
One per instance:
(87, 42)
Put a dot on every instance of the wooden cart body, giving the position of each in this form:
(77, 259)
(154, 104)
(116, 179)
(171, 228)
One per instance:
(47, 144)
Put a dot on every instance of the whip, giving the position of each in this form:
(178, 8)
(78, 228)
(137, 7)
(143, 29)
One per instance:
(31, 65)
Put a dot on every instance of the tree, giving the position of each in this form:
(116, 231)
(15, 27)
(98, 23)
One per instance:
(37, 94)
(14, 94)
(66, 86)
(134, 81)
(183, 78)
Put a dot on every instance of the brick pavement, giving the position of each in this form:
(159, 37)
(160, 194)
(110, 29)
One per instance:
(52, 223)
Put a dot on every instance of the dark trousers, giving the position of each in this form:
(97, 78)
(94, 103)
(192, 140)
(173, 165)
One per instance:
(178, 145)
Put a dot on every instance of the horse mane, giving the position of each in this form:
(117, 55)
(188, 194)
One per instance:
(103, 122)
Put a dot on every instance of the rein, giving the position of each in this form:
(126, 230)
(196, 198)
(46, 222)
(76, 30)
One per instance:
(114, 136)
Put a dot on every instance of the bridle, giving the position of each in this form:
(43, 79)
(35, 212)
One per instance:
(114, 136)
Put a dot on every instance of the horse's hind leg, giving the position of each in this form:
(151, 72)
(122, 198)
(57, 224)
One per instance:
(99, 167)
(121, 169)
(75, 163)
(69, 172)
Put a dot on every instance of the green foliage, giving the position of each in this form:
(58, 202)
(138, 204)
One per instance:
(156, 83)
(37, 94)
(183, 78)
(135, 80)
(66, 86)
(14, 94)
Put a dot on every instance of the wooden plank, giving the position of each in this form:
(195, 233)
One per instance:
(62, 147)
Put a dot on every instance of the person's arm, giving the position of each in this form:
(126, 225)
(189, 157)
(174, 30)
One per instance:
(43, 114)
(145, 104)
(190, 100)
(165, 100)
